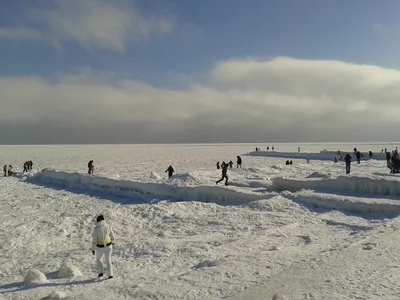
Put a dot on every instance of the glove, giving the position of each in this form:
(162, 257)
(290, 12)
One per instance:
(93, 252)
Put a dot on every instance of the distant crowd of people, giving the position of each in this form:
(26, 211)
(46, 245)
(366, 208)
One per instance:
(272, 148)
(393, 163)
(392, 159)
(9, 170)
(28, 166)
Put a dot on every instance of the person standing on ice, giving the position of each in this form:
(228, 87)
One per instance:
(5, 170)
(358, 156)
(239, 161)
(170, 171)
(103, 241)
(10, 170)
(90, 167)
(347, 159)
(224, 167)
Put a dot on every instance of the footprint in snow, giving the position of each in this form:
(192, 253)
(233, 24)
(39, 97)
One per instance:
(369, 246)
(207, 264)
(306, 239)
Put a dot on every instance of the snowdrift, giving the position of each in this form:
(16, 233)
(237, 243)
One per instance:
(140, 190)
(345, 203)
(366, 185)
(322, 155)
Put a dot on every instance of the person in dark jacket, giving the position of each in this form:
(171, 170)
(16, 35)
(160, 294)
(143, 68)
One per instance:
(26, 167)
(170, 171)
(90, 167)
(5, 170)
(394, 165)
(387, 157)
(10, 170)
(347, 159)
(358, 156)
(230, 163)
(30, 165)
(239, 161)
(370, 154)
(224, 167)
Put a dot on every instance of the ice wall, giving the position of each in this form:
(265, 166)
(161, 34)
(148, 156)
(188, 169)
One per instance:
(140, 190)
(366, 185)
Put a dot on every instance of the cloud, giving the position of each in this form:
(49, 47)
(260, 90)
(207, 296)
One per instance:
(378, 26)
(102, 24)
(278, 100)
(28, 34)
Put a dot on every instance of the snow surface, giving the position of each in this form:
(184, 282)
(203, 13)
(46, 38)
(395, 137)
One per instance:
(303, 231)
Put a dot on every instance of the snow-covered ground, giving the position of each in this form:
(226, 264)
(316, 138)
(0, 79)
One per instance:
(304, 231)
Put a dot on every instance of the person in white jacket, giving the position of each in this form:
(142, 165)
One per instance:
(103, 240)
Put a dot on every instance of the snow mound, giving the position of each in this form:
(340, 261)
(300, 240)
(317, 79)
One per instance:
(379, 185)
(277, 167)
(185, 178)
(68, 270)
(318, 175)
(278, 204)
(254, 170)
(141, 190)
(34, 276)
(345, 203)
(55, 295)
(154, 175)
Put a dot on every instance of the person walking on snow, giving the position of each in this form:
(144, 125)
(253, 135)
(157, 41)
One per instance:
(224, 167)
(103, 241)
(347, 159)
(170, 171)
(239, 161)
(5, 170)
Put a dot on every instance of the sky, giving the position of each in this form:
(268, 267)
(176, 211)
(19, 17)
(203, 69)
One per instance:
(186, 71)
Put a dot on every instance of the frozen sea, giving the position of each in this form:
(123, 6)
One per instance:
(304, 231)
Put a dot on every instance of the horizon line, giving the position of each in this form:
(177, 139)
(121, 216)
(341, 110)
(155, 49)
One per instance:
(197, 143)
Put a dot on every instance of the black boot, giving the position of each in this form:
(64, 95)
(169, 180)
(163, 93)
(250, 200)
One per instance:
(100, 275)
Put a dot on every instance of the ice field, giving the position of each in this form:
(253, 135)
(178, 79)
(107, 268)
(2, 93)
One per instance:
(302, 231)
